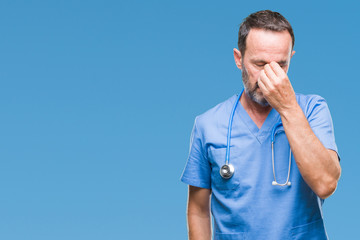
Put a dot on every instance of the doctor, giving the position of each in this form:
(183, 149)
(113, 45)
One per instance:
(247, 205)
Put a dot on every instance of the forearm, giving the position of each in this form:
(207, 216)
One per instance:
(198, 213)
(199, 227)
(318, 167)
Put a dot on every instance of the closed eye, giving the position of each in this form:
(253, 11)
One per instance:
(260, 64)
(282, 64)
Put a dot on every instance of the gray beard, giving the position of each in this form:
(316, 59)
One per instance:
(251, 92)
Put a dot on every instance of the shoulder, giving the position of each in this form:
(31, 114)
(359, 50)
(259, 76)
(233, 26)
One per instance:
(216, 115)
(309, 102)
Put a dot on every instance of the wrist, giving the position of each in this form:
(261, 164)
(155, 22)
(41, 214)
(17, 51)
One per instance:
(293, 111)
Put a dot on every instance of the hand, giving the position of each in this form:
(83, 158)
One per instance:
(276, 87)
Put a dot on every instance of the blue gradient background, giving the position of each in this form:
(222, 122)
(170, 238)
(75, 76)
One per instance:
(98, 100)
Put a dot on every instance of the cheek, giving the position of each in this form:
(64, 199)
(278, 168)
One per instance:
(286, 69)
(254, 74)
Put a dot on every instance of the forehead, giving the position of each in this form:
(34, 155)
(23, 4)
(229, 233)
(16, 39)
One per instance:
(268, 45)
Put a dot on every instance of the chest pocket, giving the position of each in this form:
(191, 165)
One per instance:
(217, 159)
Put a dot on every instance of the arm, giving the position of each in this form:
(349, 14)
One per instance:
(318, 166)
(198, 213)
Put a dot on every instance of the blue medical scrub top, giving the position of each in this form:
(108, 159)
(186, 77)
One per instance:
(248, 206)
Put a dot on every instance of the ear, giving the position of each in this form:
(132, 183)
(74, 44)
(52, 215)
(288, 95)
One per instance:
(292, 54)
(237, 58)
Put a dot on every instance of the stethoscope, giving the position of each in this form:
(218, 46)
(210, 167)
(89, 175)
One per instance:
(227, 170)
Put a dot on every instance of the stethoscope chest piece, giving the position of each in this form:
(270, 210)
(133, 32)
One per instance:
(227, 171)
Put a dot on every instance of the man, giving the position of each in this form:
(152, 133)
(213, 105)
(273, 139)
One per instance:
(265, 198)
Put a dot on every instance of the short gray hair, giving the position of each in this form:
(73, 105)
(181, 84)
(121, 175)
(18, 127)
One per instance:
(267, 20)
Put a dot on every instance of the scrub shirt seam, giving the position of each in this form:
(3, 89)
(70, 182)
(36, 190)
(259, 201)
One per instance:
(310, 104)
(248, 127)
(309, 109)
(202, 147)
(200, 162)
(238, 112)
(191, 181)
(261, 133)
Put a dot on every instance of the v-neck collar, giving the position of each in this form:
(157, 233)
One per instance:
(265, 130)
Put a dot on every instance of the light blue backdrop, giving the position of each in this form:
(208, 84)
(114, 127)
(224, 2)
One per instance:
(98, 98)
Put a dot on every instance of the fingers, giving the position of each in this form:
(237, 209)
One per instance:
(263, 88)
(264, 79)
(269, 72)
(268, 78)
(275, 86)
(275, 74)
(275, 67)
(272, 79)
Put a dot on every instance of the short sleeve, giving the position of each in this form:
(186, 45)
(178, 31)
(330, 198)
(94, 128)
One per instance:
(320, 121)
(197, 171)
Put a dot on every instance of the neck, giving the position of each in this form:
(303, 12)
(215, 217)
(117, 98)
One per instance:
(257, 112)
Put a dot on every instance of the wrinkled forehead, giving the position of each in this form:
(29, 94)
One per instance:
(268, 45)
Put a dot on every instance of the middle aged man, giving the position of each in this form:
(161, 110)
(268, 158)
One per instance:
(265, 197)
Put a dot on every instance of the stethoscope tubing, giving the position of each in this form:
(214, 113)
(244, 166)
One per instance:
(228, 167)
(230, 127)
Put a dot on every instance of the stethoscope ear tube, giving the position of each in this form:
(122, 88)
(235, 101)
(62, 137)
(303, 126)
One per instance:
(275, 183)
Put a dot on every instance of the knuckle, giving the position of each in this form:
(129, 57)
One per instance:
(271, 88)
